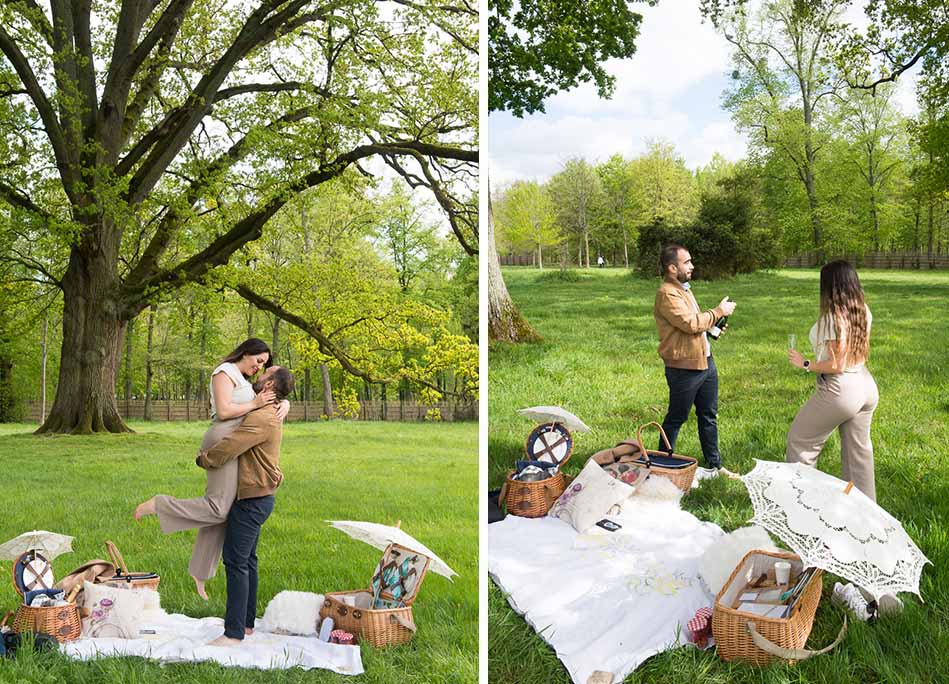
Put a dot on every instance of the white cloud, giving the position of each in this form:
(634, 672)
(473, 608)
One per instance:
(674, 51)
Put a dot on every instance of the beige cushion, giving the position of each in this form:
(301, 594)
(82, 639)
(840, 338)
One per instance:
(590, 497)
(118, 611)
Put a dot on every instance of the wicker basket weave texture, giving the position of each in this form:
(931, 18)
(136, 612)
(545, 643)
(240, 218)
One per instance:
(532, 499)
(380, 628)
(730, 628)
(680, 477)
(60, 622)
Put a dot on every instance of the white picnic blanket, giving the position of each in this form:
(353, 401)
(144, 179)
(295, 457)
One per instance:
(181, 638)
(605, 600)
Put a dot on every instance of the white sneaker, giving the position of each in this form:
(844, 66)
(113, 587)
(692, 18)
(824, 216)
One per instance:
(850, 597)
(888, 604)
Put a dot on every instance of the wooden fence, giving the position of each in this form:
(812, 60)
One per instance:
(165, 410)
(908, 260)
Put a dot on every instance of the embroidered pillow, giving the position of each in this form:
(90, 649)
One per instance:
(590, 497)
(117, 612)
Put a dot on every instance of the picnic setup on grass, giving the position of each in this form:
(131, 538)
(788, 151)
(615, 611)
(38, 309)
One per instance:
(102, 609)
(636, 575)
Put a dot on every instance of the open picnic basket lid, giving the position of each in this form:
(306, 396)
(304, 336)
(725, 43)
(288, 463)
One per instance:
(550, 443)
(32, 571)
(399, 574)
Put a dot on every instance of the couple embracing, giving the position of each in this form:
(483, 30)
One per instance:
(241, 454)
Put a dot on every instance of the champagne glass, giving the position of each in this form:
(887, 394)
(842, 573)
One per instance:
(792, 341)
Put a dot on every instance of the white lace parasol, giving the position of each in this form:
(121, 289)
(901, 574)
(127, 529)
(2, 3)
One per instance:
(834, 527)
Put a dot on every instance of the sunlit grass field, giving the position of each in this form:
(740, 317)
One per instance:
(599, 360)
(422, 474)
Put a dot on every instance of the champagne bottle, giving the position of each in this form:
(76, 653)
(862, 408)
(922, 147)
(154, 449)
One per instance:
(716, 330)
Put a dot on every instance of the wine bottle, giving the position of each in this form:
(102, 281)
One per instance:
(716, 330)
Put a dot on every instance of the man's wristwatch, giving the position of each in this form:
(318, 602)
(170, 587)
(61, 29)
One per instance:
(807, 366)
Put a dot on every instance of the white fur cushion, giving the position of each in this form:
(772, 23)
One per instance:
(293, 612)
(719, 561)
(661, 488)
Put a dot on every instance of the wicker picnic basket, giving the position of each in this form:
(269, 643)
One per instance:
(760, 640)
(680, 477)
(124, 578)
(60, 622)
(353, 611)
(534, 499)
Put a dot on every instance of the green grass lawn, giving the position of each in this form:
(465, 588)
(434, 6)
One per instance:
(599, 360)
(422, 474)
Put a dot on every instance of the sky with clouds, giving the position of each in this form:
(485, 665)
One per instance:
(671, 88)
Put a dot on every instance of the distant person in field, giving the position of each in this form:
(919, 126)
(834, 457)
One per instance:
(232, 398)
(600, 261)
(685, 349)
(846, 394)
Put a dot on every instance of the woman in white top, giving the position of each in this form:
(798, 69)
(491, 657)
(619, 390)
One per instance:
(846, 393)
(232, 397)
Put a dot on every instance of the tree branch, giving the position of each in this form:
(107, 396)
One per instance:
(173, 220)
(254, 33)
(251, 226)
(326, 345)
(35, 15)
(51, 124)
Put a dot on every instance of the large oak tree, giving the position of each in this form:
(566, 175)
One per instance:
(149, 141)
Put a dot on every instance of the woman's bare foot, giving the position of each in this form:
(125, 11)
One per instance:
(225, 641)
(145, 508)
(248, 631)
(199, 586)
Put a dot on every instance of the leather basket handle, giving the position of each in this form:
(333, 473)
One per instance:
(639, 436)
(116, 557)
(771, 648)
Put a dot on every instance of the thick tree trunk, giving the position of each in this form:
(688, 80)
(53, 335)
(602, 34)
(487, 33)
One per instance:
(328, 408)
(625, 250)
(505, 322)
(93, 332)
(586, 245)
(540, 258)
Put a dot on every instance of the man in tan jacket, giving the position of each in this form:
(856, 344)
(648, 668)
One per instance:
(685, 350)
(257, 444)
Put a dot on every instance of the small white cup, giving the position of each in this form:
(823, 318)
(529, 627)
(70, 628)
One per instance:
(782, 572)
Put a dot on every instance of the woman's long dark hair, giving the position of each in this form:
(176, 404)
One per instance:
(250, 347)
(841, 300)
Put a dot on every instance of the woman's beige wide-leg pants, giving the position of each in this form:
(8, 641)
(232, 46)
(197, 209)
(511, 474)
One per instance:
(209, 512)
(845, 401)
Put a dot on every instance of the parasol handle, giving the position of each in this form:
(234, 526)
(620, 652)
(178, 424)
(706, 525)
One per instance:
(849, 487)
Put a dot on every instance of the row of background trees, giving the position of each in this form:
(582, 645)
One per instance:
(801, 76)
(374, 269)
(876, 180)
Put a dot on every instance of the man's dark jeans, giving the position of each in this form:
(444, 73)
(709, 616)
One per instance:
(244, 521)
(698, 387)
